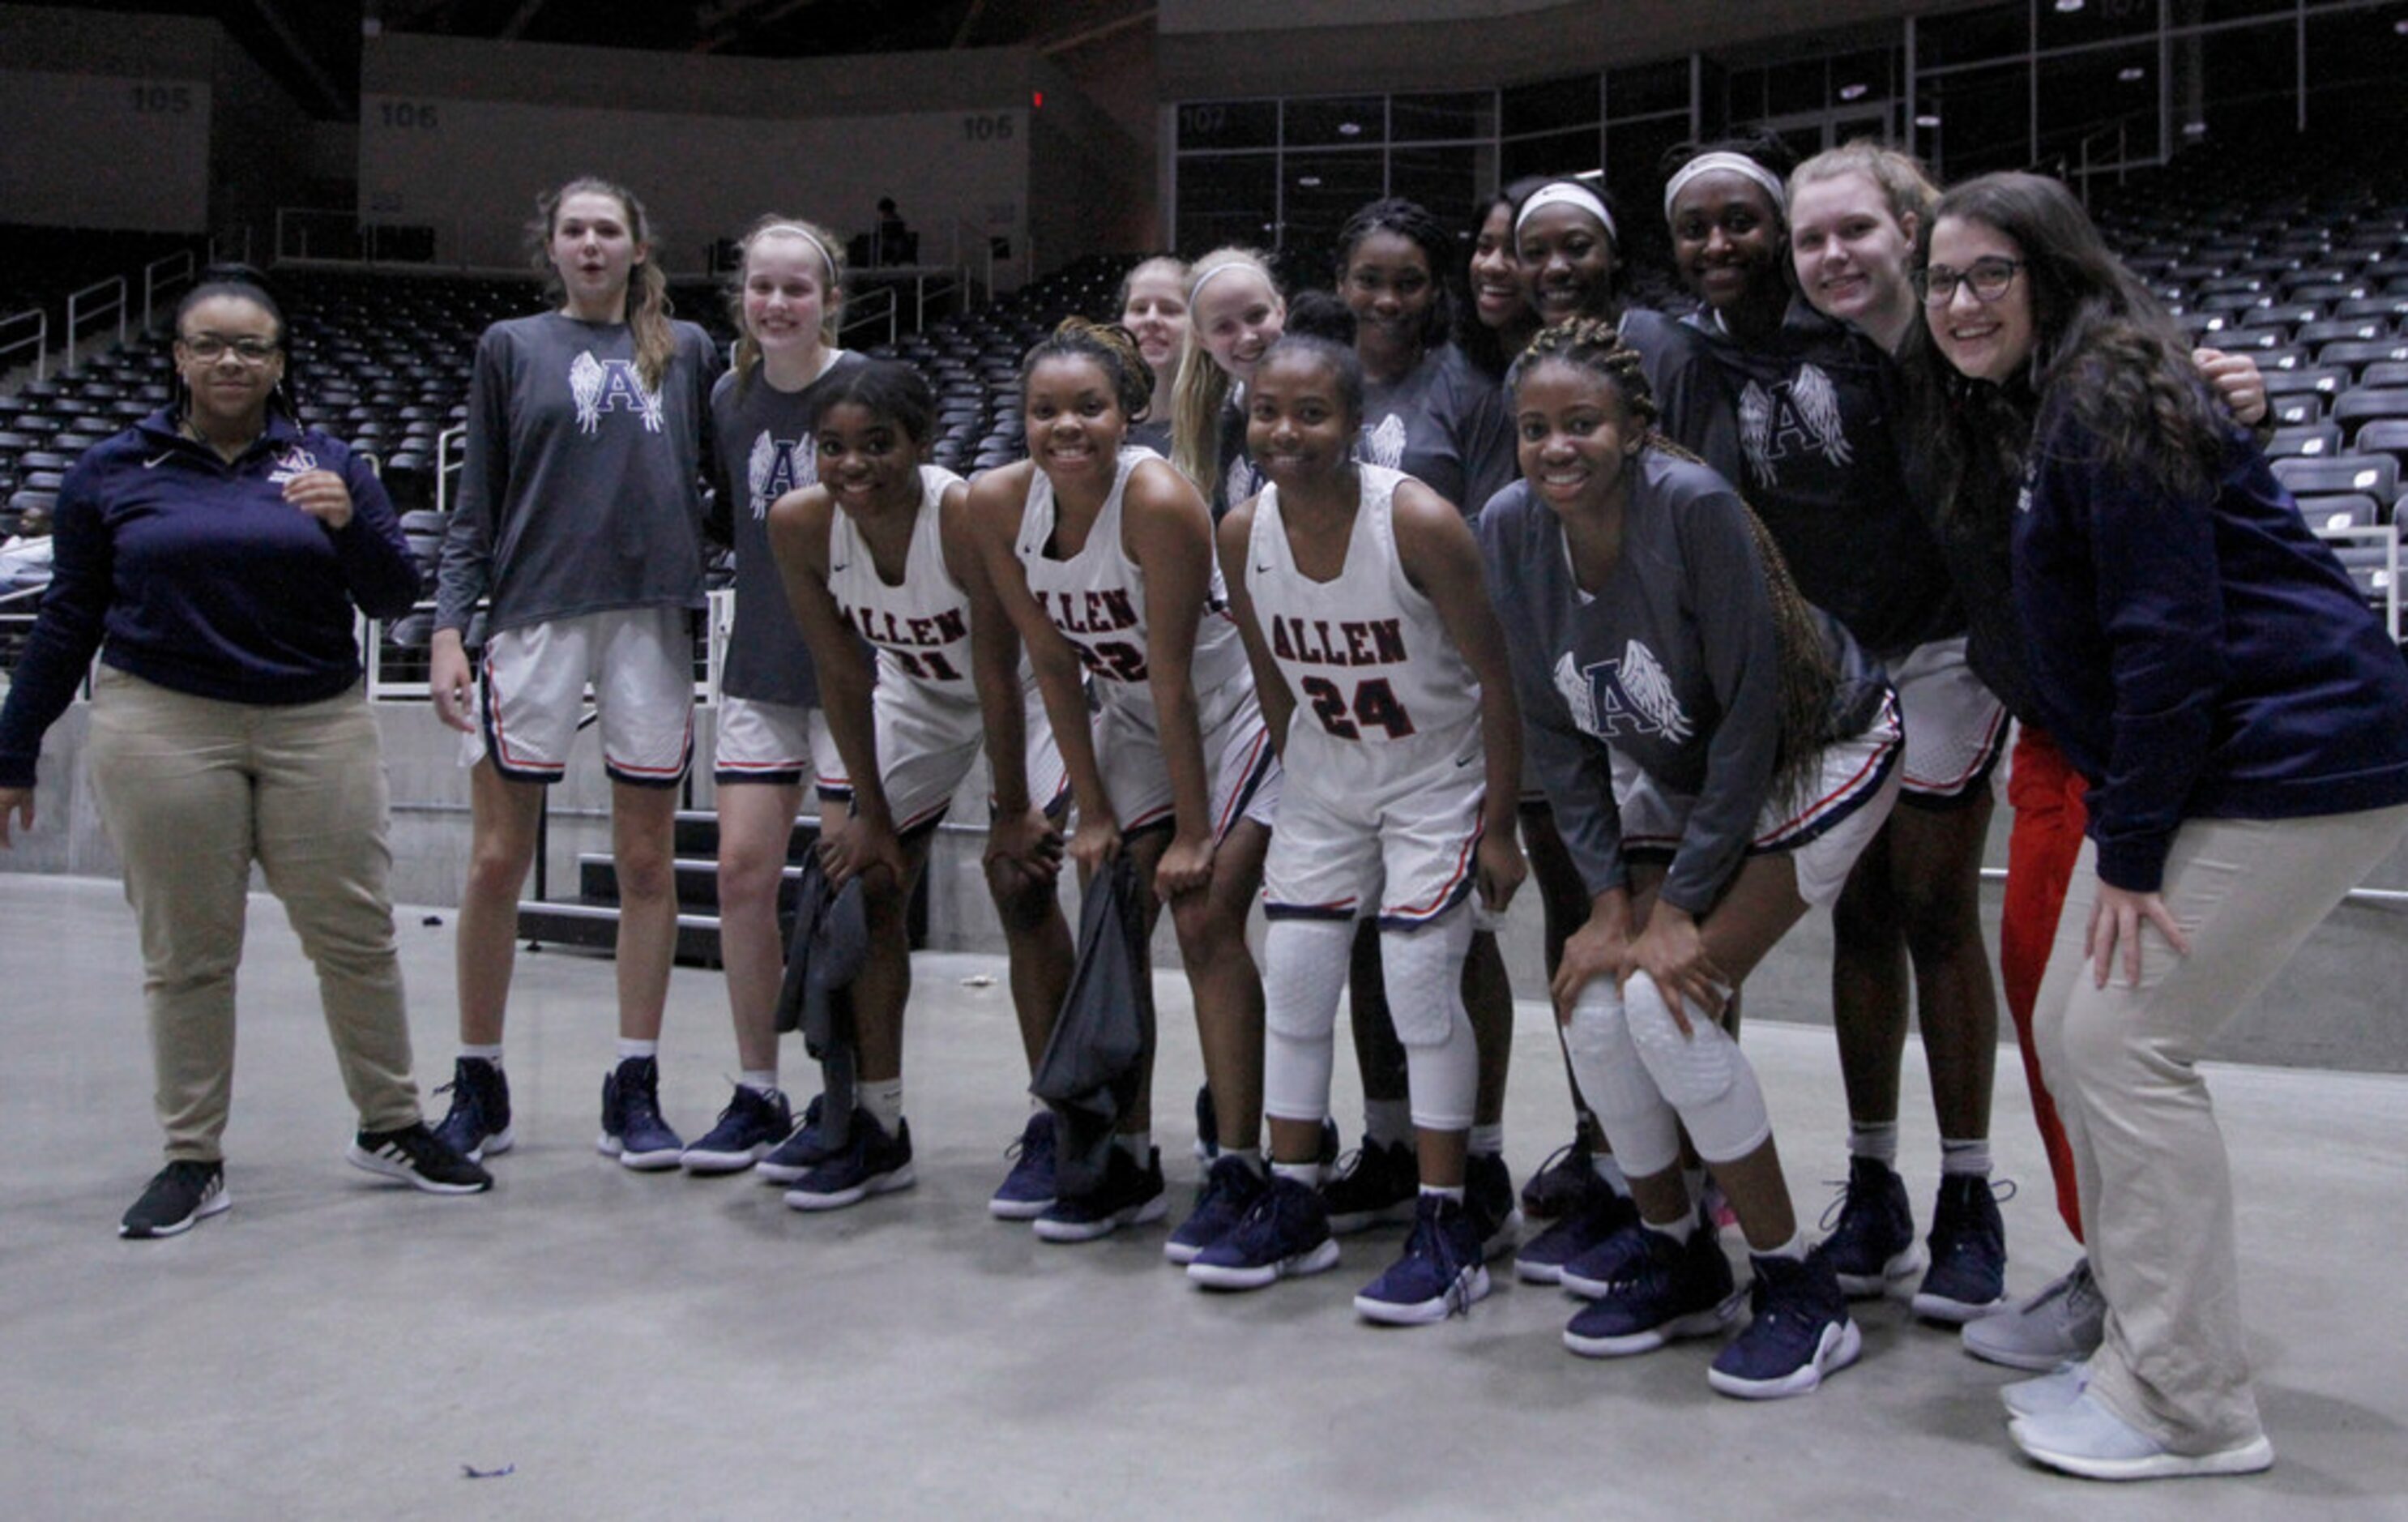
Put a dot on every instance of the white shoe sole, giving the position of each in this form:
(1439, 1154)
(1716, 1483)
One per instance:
(492, 1146)
(1706, 1322)
(1018, 1209)
(1319, 1259)
(1865, 1287)
(1955, 1312)
(2249, 1458)
(642, 1162)
(368, 1162)
(1990, 1339)
(1469, 1289)
(1839, 1347)
(876, 1183)
(1073, 1231)
(714, 1163)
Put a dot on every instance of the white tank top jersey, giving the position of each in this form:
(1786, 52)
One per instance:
(921, 629)
(1096, 598)
(1366, 654)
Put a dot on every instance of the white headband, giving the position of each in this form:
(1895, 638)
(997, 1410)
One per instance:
(1737, 164)
(795, 229)
(1566, 192)
(1206, 279)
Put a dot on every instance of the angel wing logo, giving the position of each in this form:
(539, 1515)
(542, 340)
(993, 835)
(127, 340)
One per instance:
(1817, 401)
(1649, 687)
(759, 470)
(1755, 434)
(1634, 693)
(1574, 687)
(585, 385)
(1385, 444)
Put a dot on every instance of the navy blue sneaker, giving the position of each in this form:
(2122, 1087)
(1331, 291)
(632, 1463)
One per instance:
(1662, 1290)
(870, 1163)
(1028, 1189)
(1801, 1332)
(1284, 1234)
(1489, 1194)
(1967, 1277)
(477, 1125)
(1208, 1127)
(1373, 1185)
(1873, 1244)
(1129, 1196)
(1564, 1183)
(1441, 1274)
(1230, 1190)
(804, 1148)
(748, 1128)
(1594, 1220)
(633, 1130)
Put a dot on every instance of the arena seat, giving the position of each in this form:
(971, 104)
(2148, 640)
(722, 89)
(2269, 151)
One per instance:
(2313, 440)
(2377, 475)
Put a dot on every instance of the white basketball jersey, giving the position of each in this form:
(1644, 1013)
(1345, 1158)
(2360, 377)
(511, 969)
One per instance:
(921, 628)
(1364, 653)
(1096, 598)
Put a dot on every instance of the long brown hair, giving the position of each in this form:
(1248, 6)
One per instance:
(648, 287)
(746, 360)
(1808, 676)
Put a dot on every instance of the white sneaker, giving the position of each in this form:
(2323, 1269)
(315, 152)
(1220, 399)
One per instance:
(2086, 1439)
(2063, 1323)
(2052, 1392)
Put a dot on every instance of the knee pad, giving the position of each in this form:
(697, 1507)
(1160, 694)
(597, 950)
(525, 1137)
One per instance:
(1639, 1125)
(1423, 971)
(1442, 1077)
(1304, 971)
(1702, 1075)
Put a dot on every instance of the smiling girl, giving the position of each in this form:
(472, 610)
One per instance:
(1234, 312)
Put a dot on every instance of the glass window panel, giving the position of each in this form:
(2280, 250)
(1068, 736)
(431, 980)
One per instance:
(2235, 83)
(1228, 123)
(2354, 63)
(1634, 176)
(1557, 153)
(1421, 119)
(1744, 95)
(1790, 89)
(1647, 88)
(1337, 120)
(2099, 21)
(2192, 13)
(1984, 120)
(1227, 198)
(1972, 36)
(1446, 180)
(2108, 96)
(1322, 190)
(1550, 105)
(1875, 73)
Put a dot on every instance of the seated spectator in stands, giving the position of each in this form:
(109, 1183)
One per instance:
(896, 244)
(25, 556)
(213, 556)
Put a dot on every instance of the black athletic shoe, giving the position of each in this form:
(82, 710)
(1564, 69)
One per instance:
(178, 1195)
(477, 1125)
(420, 1158)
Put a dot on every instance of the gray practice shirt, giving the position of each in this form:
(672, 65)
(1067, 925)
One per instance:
(765, 449)
(1443, 424)
(583, 490)
(1674, 664)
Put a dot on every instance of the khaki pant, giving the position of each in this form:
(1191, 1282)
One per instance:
(2155, 1189)
(194, 790)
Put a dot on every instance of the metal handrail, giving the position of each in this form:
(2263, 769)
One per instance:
(2385, 537)
(450, 440)
(39, 342)
(78, 311)
(154, 281)
(867, 310)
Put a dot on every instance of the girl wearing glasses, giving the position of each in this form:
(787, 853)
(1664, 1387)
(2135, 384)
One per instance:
(2241, 719)
(215, 557)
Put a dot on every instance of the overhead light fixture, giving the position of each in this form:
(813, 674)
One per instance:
(1854, 92)
(2194, 129)
(1308, 181)
(1927, 119)
(2131, 76)
(2066, 7)
(1350, 129)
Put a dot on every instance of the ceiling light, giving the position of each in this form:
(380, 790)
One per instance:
(2131, 76)
(1308, 181)
(1852, 92)
(1350, 129)
(1927, 119)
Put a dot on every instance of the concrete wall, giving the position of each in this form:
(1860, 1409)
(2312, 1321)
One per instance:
(2337, 1005)
(106, 120)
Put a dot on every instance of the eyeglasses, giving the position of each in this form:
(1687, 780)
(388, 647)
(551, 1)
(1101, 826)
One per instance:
(1988, 279)
(208, 348)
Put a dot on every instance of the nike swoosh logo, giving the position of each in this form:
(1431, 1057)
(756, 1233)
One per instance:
(153, 464)
(1262, 570)
(839, 568)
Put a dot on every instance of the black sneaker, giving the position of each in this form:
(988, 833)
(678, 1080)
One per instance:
(477, 1126)
(1129, 1196)
(804, 1148)
(1659, 1290)
(1543, 1258)
(1230, 1190)
(870, 1163)
(1488, 1194)
(420, 1158)
(1873, 1244)
(178, 1195)
(1565, 1184)
(1967, 1277)
(1800, 1332)
(748, 1128)
(633, 1130)
(1208, 1127)
(1373, 1185)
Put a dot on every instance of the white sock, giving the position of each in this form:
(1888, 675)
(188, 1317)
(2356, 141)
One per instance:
(1488, 1140)
(1793, 1249)
(761, 1081)
(1388, 1122)
(1251, 1156)
(882, 1102)
(1877, 1141)
(1972, 1156)
(1308, 1174)
(1677, 1231)
(1454, 1194)
(484, 1054)
(637, 1049)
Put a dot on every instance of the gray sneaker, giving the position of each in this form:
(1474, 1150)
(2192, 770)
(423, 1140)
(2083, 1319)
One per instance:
(2062, 1324)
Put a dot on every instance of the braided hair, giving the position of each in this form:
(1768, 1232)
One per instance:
(1808, 676)
(1106, 345)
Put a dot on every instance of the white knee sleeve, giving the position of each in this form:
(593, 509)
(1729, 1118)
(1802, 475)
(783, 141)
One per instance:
(1701, 1074)
(1304, 971)
(1639, 1125)
(1423, 971)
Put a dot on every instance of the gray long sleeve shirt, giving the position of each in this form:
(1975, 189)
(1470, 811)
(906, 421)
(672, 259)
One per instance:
(582, 491)
(1673, 664)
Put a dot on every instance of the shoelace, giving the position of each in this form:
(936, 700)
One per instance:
(1849, 1188)
(1428, 1241)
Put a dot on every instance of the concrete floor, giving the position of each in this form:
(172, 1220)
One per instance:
(690, 1348)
